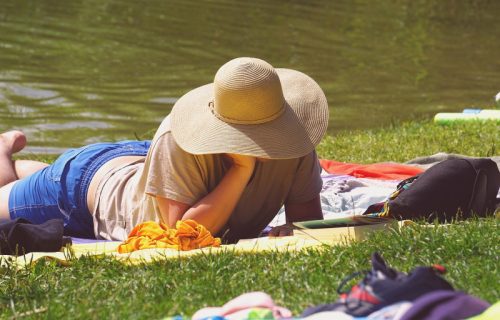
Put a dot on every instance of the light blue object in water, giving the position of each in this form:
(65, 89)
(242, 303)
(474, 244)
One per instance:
(471, 111)
(497, 99)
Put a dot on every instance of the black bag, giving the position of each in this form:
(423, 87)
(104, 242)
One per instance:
(20, 236)
(454, 188)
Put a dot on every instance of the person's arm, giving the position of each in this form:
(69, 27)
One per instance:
(214, 209)
(303, 201)
(310, 210)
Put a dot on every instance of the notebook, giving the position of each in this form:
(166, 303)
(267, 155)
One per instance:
(357, 220)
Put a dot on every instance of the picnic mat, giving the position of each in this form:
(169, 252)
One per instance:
(109, 249)
(303, 239)
(382, 170)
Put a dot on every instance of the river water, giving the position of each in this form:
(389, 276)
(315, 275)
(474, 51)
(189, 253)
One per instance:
(76, 72)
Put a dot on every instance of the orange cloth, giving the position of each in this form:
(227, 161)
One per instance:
(383, 171)
(187, 235)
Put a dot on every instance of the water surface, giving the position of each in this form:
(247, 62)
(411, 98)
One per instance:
(76, 72)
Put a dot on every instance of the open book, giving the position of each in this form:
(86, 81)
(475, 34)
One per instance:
(349, 221)
(330, 231)
(343, 230)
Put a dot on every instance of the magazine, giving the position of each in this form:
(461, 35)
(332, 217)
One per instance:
(349, 221)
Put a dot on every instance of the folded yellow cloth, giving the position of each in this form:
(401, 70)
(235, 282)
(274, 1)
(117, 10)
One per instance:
(187, 235)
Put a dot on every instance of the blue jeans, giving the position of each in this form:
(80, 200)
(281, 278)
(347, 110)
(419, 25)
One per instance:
(59, 191)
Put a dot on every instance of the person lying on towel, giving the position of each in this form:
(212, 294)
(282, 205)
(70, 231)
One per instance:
(228, 156)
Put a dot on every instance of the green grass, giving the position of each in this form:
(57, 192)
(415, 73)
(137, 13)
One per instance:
(408, 140)
(103, 288)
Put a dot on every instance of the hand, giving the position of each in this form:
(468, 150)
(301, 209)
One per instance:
(282, 231)
(242, 161)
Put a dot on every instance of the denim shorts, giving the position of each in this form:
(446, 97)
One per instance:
(59, 191)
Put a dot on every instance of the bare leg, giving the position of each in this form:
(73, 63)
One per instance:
(10, 143)
(4, 201)
(10, 171)
(25, 168)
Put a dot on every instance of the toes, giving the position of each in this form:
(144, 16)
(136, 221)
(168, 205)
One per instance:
(19, 141)
(14, 140)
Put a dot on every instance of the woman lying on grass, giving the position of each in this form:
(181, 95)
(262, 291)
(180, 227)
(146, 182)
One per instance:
(228, 156)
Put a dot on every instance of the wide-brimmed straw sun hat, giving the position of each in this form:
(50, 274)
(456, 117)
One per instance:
(252, 109)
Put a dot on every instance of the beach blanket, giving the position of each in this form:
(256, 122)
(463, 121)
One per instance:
(110, 249)
(302, 240)
(344, 195)
(383, 170)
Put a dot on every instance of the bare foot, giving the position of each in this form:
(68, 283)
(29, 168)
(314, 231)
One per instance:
(12, 141)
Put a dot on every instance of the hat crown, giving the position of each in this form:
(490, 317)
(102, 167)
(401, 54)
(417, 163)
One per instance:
(247, 91)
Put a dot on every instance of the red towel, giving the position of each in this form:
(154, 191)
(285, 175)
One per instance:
(383, 171)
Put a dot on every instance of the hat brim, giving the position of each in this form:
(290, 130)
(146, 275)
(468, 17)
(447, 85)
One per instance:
(293, 134)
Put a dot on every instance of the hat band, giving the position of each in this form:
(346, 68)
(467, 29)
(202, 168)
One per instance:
(238, 121)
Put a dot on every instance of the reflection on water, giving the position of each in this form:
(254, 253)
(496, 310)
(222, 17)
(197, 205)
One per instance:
(76, 72)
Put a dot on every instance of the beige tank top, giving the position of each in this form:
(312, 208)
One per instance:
(126, 195)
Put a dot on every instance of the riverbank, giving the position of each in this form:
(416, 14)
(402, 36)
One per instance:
(103, 288)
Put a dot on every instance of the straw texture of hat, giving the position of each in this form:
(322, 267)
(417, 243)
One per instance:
(252, 109)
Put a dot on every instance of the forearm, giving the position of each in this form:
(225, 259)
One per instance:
(213, 210)
(310, 210)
